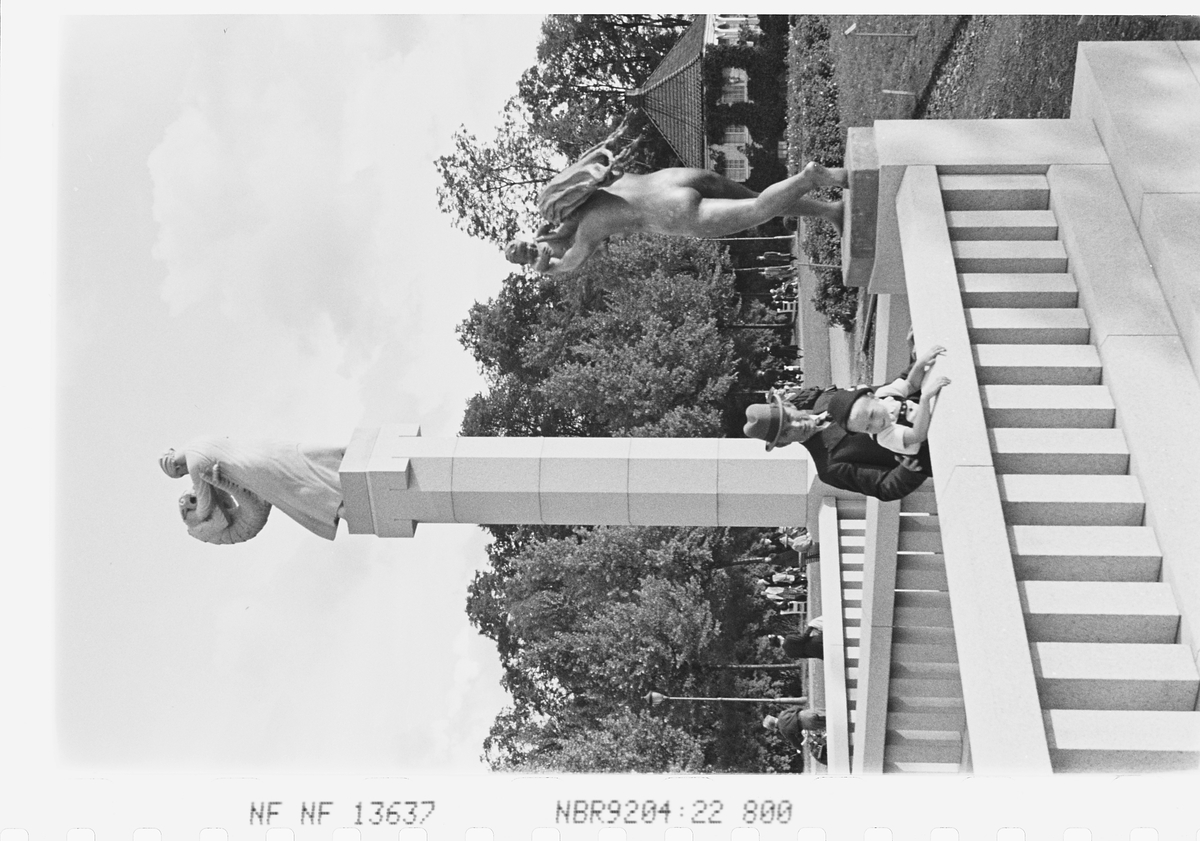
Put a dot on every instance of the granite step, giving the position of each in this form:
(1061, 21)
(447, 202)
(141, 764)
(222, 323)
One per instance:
(921, 608)
(925, 705)
(1099, 611)
(1058, 450)
(1085, 553)
(919, 502)
(910, 653)
(1009, 257)
(1076, 406)
(922, 635)
(1002, 225)
(920, 571)
(1031, 364)
(1070, 500)
(995, 192)
(921, 767)
(1022, 290)
(922, 689)
(946, 721)
(908, 746)
(1027, 326)
(1123, 740)
(1114, 676)
(918, 540)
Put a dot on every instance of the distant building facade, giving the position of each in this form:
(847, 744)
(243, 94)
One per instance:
(701, 97)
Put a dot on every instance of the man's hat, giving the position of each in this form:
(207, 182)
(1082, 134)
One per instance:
(765, 421)
(843, 402)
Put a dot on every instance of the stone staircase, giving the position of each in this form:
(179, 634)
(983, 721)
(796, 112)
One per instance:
(925, 718)
(1118, 692)
(852, 527)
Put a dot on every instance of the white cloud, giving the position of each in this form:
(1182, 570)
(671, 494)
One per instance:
(304, 278)
(300, 191)
(265, 202)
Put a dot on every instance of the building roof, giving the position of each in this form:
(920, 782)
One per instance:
(673, 96)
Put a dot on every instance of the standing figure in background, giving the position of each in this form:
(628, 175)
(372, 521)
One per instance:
(793, 722)
(809, 643)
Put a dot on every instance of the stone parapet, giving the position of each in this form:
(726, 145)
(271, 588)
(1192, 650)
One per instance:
(998, 686)
(861, 207)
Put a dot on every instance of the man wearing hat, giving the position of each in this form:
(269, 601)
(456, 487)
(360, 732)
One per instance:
(851, 461)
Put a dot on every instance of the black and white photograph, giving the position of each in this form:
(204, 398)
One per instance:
(667, 397)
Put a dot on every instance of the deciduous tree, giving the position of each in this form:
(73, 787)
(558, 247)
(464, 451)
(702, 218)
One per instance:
(490, 189)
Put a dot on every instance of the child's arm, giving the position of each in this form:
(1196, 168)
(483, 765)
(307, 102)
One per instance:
(924, 414)
(916, 374)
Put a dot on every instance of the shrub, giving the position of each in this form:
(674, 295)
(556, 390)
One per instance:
(815, 133)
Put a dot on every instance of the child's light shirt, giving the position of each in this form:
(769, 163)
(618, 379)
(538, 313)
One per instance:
(894, 397)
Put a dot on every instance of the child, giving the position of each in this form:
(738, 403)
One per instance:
(886, 414)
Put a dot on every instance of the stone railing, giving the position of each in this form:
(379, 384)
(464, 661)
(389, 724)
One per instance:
(837, 704)
(1004, 718)
(875, 643)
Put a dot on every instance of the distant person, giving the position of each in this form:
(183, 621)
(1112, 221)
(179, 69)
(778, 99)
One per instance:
(781, 595)
(852, 461)
(887, 415)
(809, 643)
(791, 548)
(236, 483)
(780, 273)
(786, 579)
(681, 202)
(792, 723)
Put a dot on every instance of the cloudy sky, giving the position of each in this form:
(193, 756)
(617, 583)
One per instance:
(249, 245)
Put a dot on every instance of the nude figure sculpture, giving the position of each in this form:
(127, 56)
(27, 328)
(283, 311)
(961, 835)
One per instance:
(674, 202)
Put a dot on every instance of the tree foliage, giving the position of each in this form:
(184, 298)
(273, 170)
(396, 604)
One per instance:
(634, 344)
(588, 620)
(566, 103)
(817, 132)
(621, 742)
(588, 623)
(490, 189)
(585, 65)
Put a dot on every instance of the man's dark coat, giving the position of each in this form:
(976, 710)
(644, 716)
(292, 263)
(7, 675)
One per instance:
(853, 461)
(795, 720)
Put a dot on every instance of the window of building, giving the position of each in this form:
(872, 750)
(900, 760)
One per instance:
(739, 135)
(737, 168)
(735, 85)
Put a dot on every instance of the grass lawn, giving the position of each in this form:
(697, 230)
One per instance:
(1024, 65)
(866, 64)
(957, 67)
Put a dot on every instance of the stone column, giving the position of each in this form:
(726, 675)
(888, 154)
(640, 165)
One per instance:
(393, 479)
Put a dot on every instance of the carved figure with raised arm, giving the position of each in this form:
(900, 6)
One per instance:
(235, 484)
(595, 199)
